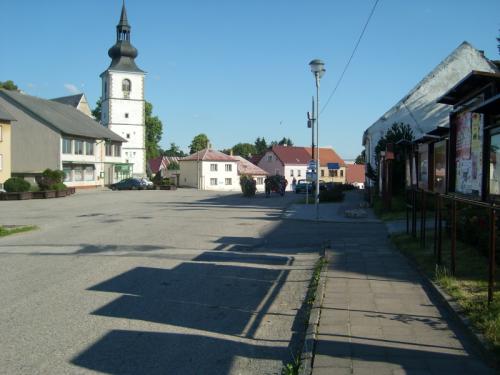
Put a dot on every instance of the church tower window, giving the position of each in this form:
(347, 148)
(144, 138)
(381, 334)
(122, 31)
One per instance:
(126, 88)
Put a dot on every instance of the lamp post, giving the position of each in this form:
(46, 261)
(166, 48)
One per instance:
(318, 70)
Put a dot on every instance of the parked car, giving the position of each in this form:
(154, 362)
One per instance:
(128, 184)
(302, 185)
(146, 183)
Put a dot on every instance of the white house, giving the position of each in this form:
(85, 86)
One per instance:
(210, 170)
(419, 108)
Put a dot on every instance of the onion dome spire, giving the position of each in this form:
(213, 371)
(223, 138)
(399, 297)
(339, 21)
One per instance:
(123, 52)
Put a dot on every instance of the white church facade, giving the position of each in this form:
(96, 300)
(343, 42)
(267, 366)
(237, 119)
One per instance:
(123, 105)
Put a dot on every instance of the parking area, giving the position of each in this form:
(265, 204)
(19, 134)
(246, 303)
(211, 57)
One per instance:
(180, 282)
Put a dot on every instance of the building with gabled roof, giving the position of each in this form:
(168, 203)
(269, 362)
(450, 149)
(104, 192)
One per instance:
(355, 175)
(6, 120)
(332, 166)
(245, 167)
(419, 108)
(78, 101)
(209, 169)
(52, 135)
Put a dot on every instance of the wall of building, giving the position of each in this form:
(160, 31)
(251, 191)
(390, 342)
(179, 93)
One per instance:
(5, 151)
(189, 175)
(299, 173)
(271, 164)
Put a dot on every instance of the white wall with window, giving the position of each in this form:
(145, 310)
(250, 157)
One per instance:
(212, 175)
(294, 171)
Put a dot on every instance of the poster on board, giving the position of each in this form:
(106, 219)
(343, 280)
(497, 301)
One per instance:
(463, 136)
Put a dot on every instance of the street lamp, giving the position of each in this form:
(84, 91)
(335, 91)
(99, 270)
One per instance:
(318, 70)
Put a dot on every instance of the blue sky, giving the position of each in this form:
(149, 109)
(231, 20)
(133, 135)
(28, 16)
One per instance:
(237, 70)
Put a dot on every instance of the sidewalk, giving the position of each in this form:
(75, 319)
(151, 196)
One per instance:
(377, 317)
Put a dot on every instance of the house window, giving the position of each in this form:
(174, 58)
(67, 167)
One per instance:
(213, 181)
(260, 180)
(67, 173)
(229, 181)
(330, 173)
(78, 174)
(322, 173)
(89, 148)
(66, 146)
(118, 150)
(78, 147)
(229, 168)
(126, 115)
(89, 173)
(269, 158)
(341, 173)
(299, 174)
(109, 149)
(213, 167)
(128, 135)
(291, 172)
(126, 88)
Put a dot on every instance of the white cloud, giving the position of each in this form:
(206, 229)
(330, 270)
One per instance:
(72, 89)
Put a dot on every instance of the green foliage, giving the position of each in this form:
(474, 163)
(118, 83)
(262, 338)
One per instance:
(283, 142)
(361, 158)
(16, 185)
(96, 112)
(25, 228)
(159, 180)
(198, 143)
(51, 180)
(8, 85)
(173, 166)
(244, 149)
(154, 131)
(275, 182)
(396, 133)
(260, 145)
(248, 185)
(174, 150)
(397, 211)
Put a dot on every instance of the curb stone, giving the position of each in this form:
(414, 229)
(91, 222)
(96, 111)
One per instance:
(457, 314)
(307, 354)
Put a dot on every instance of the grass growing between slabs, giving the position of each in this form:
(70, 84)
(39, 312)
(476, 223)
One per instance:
(5, 231)
(469, 286)
(293, 367)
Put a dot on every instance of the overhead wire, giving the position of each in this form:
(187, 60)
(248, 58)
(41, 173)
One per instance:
(352, 55)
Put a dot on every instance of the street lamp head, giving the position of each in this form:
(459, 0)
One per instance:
(317, 68)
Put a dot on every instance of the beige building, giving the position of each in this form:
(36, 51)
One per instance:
(5, 145)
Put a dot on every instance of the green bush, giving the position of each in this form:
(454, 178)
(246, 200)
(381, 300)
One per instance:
(248, 185)
(159, 180)
(58, 186)
(51, 180)
(16, 185)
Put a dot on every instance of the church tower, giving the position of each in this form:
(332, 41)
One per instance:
(122, 108)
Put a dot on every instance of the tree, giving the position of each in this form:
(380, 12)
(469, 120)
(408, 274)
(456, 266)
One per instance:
(154, 131)
(198, 143)
(396, 133)
(283, 142)
(96, 112)
(173, 166)
(8, 85)
(260, 145)
(360, 159)
(244, 149)
(174, 150)
(498, 40)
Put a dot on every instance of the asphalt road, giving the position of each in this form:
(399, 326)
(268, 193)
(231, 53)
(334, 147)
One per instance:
(153, 282)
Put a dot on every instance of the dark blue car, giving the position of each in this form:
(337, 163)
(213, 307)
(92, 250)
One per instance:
(128, 184)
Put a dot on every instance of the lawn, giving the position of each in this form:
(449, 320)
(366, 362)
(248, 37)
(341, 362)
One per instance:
(397, 211)
(5, 231)
(469, 287)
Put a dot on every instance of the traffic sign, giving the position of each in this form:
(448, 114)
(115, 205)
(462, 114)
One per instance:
(310, 176)
(312, 165)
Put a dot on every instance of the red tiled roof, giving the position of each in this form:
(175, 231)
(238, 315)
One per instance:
(291, 154)
(255, 159)
(246, 167)
(355, 173)
(208, 154)
(327, 155)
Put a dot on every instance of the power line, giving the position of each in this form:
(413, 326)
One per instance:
(352, 55)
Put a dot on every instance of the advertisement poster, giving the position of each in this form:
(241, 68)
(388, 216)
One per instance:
(463, 136)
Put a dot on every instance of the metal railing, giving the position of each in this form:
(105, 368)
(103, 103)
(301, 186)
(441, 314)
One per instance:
(445, 212)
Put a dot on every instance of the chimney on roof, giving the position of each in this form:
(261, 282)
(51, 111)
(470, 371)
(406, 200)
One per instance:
(481, 52)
